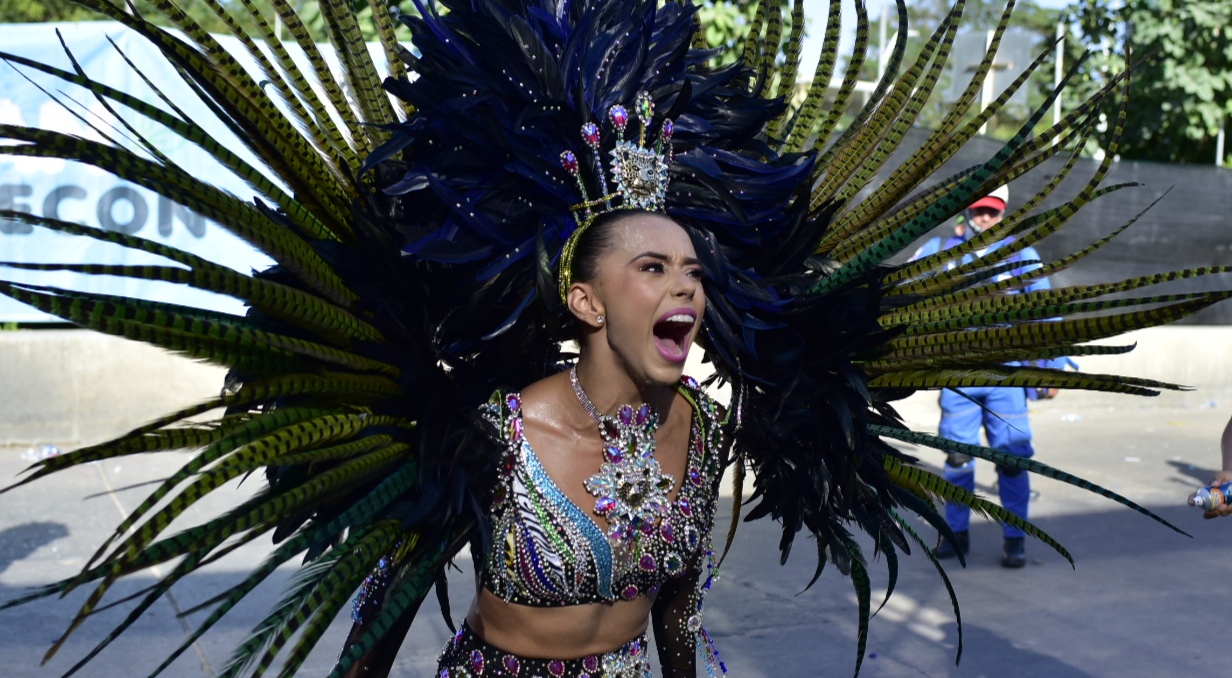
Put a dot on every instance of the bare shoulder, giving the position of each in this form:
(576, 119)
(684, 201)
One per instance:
(553, 419)
(542, 401)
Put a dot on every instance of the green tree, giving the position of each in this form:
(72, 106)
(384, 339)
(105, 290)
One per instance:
(724, 24)
(41, 11)
(1181, 87)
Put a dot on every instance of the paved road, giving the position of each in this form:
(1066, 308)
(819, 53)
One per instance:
(1142, 601)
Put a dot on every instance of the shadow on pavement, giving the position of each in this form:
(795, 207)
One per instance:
(1007, 653)
(19, 541)
(1126, 609)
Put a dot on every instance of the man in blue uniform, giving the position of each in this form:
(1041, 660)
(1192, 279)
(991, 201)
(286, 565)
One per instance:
(1001, 411)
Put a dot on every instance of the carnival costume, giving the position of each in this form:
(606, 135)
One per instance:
(419, 245)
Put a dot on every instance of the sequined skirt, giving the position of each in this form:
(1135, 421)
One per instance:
(468, 656)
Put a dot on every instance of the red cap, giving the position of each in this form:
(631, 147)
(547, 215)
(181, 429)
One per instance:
(989, 201)
(995, 200)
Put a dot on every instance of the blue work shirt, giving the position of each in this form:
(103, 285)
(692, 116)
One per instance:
(1027, 254)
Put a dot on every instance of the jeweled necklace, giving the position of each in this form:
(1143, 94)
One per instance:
(630, 487)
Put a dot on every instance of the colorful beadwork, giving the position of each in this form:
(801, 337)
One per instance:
(468, 656)
(549, 552)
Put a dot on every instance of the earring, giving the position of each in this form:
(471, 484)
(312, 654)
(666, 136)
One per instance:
(599, 320)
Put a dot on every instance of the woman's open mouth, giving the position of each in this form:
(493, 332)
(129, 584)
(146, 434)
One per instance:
(672, 333)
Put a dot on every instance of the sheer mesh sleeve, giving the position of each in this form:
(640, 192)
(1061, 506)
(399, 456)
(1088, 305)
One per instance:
(673, 609)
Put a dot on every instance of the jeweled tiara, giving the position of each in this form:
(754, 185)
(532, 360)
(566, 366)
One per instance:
(638, 172)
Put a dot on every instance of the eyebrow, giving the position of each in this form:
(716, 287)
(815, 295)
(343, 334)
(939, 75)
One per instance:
(688, 261)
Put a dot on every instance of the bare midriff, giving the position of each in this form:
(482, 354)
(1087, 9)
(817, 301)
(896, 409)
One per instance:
(567, 632)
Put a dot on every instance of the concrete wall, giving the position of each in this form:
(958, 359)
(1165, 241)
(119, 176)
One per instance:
(72, 387)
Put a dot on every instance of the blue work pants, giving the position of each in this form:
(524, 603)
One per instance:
(1004, 418)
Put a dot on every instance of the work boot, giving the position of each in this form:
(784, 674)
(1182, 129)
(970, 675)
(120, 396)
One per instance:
(1015, 552)
(945, 549)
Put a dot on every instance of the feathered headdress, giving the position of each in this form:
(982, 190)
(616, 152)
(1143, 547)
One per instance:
(417, 242)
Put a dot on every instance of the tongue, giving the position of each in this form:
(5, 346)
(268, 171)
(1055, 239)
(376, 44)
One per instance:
(669, 345)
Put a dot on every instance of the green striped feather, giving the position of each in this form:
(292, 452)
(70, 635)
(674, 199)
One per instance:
(994, 374)
(1014, 461)
(816, 136)
(358, 514)
(864, 151)
(409, 590)
(936, 149)
(862, 584)
(281, 301)
(271, 135)
(945, 490)
(359, 72)
(945, 578)
(791, 67)
(316, 610)
(806, 117)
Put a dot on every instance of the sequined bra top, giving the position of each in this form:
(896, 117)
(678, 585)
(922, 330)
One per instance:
(546, 551)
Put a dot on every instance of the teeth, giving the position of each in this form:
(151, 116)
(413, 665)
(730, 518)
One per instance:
(679, 318)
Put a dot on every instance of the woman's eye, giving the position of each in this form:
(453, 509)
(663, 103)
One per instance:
(653, 267)
(696, 273)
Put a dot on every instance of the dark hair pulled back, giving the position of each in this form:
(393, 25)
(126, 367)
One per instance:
(596, 240)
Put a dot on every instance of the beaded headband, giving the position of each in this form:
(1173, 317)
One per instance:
(638, 172)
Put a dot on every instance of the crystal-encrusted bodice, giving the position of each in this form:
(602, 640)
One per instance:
(546, 551)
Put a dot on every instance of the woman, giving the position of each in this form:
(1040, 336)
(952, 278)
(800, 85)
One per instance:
(416, 243)
(577, 568)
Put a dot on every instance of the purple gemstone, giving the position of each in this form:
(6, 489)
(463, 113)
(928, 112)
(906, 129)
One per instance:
(685, 508)
(512, 666)
(669, 535)
(629, 593)
(590, 663)
(690, 382)
(620, 117)
(444, 673)
(626, 415)
(643, 414)
(695, 476)
(668, 128)
(613, 454)
(477, 661)
(590, 134)
(647, 563)
(653, 589)
(636, 648)
(512, 400)
(556, 667)
(516, 430)
(569, 161)
(604, 505)
(647, 528)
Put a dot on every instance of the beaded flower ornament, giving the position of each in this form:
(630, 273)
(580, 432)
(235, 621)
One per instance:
(631, 488)
(638, 172)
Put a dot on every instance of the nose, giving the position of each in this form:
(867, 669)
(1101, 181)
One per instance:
(685, 285)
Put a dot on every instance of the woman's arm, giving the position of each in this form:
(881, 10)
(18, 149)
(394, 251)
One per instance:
(673, 607)
(380, 659)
